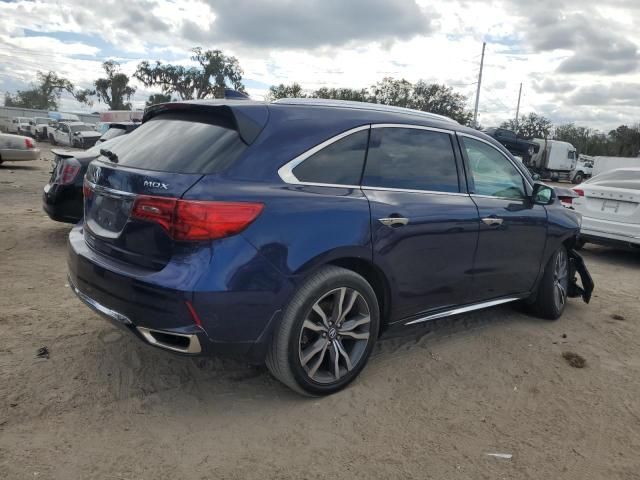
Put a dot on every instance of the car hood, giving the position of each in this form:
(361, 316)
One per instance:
(89, 134)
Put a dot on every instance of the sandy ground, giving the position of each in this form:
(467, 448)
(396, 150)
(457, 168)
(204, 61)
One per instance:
(431, 404)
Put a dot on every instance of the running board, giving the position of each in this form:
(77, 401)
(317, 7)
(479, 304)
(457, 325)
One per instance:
(468, 308)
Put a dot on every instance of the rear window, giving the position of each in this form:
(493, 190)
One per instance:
(113, 132)
(180, 143)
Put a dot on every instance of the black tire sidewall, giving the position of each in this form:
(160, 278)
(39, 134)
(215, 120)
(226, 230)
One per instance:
(347, 279)
(546, 305)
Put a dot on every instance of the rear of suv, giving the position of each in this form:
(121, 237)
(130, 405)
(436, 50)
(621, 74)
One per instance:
(294, 233)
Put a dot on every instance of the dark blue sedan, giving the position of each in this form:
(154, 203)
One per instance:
(296, 232)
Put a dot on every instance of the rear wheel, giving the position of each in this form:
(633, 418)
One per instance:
(326, 334)
(552, 291)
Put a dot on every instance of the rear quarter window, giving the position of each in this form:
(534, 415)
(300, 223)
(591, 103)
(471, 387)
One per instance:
(180, 143)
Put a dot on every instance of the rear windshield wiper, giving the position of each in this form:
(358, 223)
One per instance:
(109, 154)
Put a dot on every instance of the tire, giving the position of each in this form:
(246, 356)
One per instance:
(293, 338)
(551, 298)
(578, 178)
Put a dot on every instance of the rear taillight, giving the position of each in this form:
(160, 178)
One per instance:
(28, 143)
(192, 220)
(68, 169)
(579, 192)
(87, 191)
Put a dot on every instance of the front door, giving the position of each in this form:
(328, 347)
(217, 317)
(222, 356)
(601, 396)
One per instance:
(513, 230)
(424, 226)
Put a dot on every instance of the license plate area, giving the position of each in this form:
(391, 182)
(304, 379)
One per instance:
(107, 214)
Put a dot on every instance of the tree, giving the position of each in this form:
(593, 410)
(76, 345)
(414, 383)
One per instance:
(442, 100)
(351, 94)
(627, 141)
(530, 126)
(285, 91)
(45, 93)
(114, 90)
(392, 92)
(158, 98)
(216, 72)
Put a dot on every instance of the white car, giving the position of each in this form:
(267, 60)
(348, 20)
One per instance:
(610, 207)
(16, 148)
(74, 134)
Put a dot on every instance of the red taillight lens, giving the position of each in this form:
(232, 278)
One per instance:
(67, 171)
(87, 191)
(579, 191)
(210, 220)
(192, 220)
(155, 209)
(28, 143)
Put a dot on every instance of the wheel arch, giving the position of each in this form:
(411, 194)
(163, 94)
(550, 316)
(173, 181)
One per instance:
(376, 278)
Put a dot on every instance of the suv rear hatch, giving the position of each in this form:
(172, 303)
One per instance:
(133, 208)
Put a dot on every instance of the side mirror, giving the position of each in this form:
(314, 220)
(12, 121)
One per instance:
(543, 194)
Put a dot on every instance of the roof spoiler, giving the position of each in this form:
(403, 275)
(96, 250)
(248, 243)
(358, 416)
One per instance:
(248, 118)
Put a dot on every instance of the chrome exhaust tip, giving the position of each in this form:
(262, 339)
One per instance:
(176, 342)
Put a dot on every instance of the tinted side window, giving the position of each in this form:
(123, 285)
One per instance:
(412, 159)
(339, 163)
(492, 173)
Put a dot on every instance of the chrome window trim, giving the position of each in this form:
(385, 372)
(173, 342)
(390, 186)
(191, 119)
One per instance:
(468, 308)
(409, 190)
(286, 171)
(477, 195)
(473, 137)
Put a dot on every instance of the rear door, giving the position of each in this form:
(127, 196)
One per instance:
(157, 162)
(513, 230)
(424, 226)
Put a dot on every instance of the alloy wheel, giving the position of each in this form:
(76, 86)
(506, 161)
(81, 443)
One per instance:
(560, 279)
(334, 335)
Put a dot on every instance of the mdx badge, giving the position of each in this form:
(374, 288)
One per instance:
(152, 184)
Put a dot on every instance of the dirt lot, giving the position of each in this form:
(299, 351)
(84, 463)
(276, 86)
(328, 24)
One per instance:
(431, 404)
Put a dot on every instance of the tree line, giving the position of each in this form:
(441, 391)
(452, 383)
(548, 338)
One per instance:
(214, 71)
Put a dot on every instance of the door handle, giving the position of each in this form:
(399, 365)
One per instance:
(491, 221)
(394, 221)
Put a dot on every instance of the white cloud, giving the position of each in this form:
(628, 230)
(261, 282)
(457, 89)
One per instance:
(567, 53)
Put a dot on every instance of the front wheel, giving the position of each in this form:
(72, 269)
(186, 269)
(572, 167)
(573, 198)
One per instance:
(326, 333)
(578, 178)
(552, 291)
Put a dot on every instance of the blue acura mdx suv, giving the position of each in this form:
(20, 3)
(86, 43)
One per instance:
(294, 233)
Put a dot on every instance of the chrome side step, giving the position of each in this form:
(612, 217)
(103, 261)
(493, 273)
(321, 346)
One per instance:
(468, 308)
(176, 342)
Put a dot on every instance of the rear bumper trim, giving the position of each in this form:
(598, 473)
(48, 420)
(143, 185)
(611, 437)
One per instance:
(98, 307)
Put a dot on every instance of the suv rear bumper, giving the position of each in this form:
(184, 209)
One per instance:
(151, 305)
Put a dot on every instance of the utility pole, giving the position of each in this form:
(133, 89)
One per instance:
(518, 107)
(475, 111)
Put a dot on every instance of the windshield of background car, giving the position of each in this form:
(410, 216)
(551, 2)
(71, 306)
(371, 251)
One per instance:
(80, 128)
(113, 132)
(180, 142)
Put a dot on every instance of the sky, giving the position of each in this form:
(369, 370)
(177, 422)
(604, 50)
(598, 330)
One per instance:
(577, 60)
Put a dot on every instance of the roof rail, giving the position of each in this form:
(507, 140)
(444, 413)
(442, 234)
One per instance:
(377, 107)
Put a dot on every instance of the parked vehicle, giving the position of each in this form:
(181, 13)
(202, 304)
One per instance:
(583, 169)
(62, 197)
(518, 146)
(261, 231)
(606, 164)
(17, 148)
(118, 116)
(73, 134)
(64, 117)
(555, 159)
(117, 129)
(610, 208)
(20, 126)
(41, 127)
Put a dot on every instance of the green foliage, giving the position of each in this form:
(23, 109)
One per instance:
(158, 98)
(216, 72)
(530, 126)
(277, 92)
(114, 89)
(45, 93)
(423, 96)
